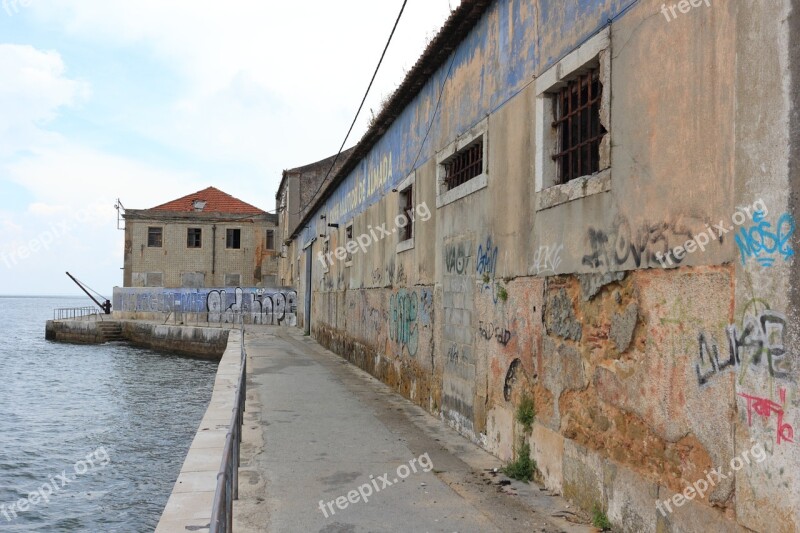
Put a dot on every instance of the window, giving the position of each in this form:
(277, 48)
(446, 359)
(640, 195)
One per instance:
(465, 165)
(233, 238)
(572, 128)
(270, 239)
(577, 110)
(194, 238)
(154, 279)
(233, 280)
(155, 237)
(407, 207)
(462, 168)
(348, 234)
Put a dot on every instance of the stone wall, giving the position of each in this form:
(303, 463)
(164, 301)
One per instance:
(202, 342)
(646, 373)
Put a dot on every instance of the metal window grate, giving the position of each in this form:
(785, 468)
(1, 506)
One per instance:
(465, 165)
(408, 208)
(579, 128)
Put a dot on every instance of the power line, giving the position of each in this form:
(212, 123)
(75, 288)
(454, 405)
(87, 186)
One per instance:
(360, 107)
(435, 110)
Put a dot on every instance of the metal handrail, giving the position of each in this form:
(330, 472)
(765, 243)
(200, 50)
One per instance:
(227, 488)
(72, 313)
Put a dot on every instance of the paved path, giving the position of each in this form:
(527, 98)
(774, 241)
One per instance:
(318, 429)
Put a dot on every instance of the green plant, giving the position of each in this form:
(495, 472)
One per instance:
(502, 293)
(523, 468)
(599, 518)
(486, 278)
(526, 413)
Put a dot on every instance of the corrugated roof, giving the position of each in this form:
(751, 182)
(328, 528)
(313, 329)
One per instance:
(215, 200)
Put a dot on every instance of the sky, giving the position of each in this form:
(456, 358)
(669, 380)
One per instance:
(148, 101)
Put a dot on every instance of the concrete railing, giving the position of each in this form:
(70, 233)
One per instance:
(192, 502)
(228, 477)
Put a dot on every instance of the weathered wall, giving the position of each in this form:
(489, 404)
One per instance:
(255, 305)
(763, 337)
(74, 331)
(644, 375)
(208, 265)
(206, 343)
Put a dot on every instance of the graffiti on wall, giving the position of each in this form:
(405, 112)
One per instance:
(759, 340)
(456, 257)
(764, 407)
(764, 243)
(486, 266)
(277, 308)
(489, 331)
(627, 245)
(257, 306)
(453, 356)
(403, 327)
(486, 262)
(547, 258)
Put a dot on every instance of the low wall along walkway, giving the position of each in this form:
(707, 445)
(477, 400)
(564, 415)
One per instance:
(270, 306)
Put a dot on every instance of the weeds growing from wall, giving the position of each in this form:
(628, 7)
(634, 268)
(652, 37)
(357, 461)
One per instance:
(502, 293)
(599, 519)
(523, 468)
(526, 412)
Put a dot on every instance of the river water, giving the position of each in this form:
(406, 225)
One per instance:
(100, 432)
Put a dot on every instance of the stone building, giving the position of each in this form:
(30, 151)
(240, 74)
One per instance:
(605, 197)
(298, 189)
(204, 239)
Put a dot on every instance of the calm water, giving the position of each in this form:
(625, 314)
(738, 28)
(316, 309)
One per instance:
(133, 410)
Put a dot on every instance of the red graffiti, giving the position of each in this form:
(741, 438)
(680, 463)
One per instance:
(764, 407)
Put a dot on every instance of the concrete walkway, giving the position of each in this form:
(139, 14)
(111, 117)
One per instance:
(318, 429)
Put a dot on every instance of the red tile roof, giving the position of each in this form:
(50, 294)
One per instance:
(216, 202)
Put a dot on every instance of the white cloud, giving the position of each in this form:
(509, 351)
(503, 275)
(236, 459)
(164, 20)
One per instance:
(34, 88)
(46, 210)
(274, 84)
(75, 176)
(258, 86)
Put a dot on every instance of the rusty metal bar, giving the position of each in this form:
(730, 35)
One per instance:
(464, 166)
(578, 122)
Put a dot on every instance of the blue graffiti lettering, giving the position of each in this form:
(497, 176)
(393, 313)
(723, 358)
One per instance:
(763, 243)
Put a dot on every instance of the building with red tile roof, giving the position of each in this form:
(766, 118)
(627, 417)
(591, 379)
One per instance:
(204, 239)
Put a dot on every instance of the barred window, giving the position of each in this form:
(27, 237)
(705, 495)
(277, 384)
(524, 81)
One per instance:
(579, 129)
(407, 206)
(464, 165)
(348, 234)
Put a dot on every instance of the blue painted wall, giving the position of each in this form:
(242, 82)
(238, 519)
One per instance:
(503, 53)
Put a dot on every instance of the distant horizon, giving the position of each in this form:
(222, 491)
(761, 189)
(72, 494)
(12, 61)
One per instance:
(44, 296)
